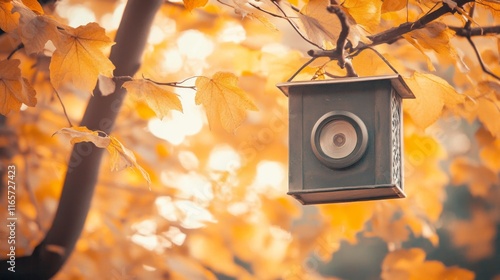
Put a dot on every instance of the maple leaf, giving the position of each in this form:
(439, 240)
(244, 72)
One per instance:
(160, 100)
(322, 26)
(364, 12)
(35, 30)
(428, 105)
(121, 157)
(79, 57)
(83, 134)
(490, 152)
(34, 6)
(223, 100)
(192, 4)
(393, 5)
(434, 36)
(8, 20)
(14, 90)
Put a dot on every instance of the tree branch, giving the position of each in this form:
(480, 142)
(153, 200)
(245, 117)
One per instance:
(81, 177)
(342, 40)
(396, 32)
(477, 31)
(393, 34)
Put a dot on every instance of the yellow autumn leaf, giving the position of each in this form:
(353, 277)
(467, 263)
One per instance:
(487, 104)
(79, 57)
(352, 224)
(479, 179)
(491, 5)
(398, 264)
(410, 264)
(490, 151)
(393, 5)
(14, 90)
(323, 27)
(8, 20)
(35, 30)
(83, 134)
(192, 4)
(432, 95)
(121, 157)
(476, 236)
(223, 100)
(364, 12)
(160, 100)
(34, 6)
(434, 36)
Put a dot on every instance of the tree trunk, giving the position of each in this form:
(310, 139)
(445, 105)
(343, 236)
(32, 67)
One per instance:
(50, 255)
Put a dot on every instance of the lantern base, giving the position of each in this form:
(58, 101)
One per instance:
(347, 194)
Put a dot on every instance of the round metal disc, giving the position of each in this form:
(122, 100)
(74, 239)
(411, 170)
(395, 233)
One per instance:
(338, 139)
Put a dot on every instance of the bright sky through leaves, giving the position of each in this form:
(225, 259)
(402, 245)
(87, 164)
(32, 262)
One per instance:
(199, 150)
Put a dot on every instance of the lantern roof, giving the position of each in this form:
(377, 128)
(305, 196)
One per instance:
(396, 80)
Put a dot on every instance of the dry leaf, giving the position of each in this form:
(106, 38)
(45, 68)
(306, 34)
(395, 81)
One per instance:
(432, 95)
(83, 134)
(490, 149)
(121, 157)
(192, 4)
(158, 99)
(8, 20)
(14, 90)
(476, 236)
(364, 12)
(35, 30)
(479, 179)
(223, 100)
(323, 27)
(79, 57)
(34, 5)
(434, 36)
(393, 5)
(411, 264)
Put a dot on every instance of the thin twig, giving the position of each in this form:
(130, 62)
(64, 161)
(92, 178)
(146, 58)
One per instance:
(467, 27)
(265, 11)
(174, 84)
(62, 105)
(404, 28)
(226, 4)
(480, 60)
(301, 68)
(20, 46)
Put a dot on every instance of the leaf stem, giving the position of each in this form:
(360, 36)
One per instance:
(301, 68)
(174, 84)
(62, 105)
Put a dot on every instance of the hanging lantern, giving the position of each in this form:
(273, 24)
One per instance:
(346, 138)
